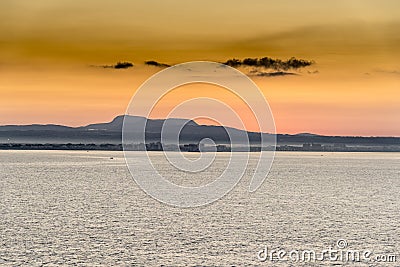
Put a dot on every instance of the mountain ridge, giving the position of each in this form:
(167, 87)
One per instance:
(111, 132)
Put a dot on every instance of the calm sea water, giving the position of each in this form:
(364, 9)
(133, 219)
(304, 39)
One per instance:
(84, 209)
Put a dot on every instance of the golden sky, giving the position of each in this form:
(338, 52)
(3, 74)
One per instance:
(51, 53)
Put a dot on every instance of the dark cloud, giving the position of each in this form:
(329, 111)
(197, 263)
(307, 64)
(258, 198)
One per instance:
(156, 64)
(262, 67)
(123, 65)
(270, 63)
(270, 74)
(119, 65)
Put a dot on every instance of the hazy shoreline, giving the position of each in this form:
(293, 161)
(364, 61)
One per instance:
(119, 147)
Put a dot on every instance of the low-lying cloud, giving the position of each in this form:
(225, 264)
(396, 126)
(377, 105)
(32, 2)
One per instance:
(156, 64)
(270, 63)
(118, 65)
(261, 67)
(270, 74)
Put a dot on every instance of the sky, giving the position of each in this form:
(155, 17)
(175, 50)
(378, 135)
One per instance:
(52, 55)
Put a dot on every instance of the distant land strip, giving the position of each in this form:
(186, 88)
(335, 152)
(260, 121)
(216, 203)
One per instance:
(108, 136)
(194, 147)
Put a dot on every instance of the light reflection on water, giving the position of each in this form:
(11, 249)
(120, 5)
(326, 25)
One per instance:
(83, 208)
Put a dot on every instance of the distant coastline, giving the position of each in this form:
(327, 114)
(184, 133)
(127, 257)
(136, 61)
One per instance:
(219, 148)
(108, 136)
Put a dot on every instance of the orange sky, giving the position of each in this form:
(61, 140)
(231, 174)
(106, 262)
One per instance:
(50, 53)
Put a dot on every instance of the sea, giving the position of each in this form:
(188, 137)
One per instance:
(83, 208)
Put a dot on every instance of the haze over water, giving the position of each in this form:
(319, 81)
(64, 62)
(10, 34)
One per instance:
(84, 209)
